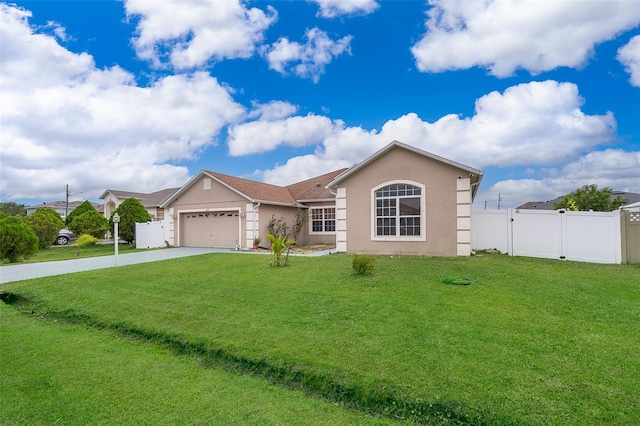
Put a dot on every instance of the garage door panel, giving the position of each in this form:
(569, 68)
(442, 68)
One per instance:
(210, 229)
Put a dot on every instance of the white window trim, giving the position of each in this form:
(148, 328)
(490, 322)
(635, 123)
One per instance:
(423, 213)
(311, 209)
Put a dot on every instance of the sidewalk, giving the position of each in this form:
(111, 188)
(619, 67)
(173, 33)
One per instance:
(44, 269)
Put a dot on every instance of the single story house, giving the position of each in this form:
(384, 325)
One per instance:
(400, 200)
(151, 201)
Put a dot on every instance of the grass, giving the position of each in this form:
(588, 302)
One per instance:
(527, 341)
(66, 374)
(55, 253)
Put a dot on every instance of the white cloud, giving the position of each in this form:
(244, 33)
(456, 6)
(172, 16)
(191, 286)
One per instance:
(66, 122)
(334, 8)
(611, 168)
(629, 56)
(310, 58)
(274, 110)
(195, 32)
(533, 124)
(266, 135)
(504, 36)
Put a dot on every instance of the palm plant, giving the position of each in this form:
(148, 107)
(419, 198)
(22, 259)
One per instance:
(278, 246)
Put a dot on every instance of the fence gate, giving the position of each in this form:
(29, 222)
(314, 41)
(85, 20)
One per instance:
(631, 236)
(537, 233)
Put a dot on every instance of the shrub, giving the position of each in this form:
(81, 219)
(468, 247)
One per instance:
(17, 240)
(85, 240)
(46, 224)
(90, 222)
(131, 211)
(277, 227)
(363, 264)
(80, 210)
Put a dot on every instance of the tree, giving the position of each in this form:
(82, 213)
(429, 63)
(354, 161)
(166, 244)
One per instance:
(13, 209)
(130, 212)
(17, 240)
(90, 222)
(46, 224)
(589, 197)
(279, 244)
(81, 209)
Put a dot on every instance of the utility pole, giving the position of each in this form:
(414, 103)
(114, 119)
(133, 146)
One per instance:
(67, 194)
(499, 199)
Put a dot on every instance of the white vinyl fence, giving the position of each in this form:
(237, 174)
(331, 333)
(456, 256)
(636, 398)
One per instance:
(554, 234)
(152, 234)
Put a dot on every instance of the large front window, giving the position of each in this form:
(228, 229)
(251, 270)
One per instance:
(323, 220)
(398, 210)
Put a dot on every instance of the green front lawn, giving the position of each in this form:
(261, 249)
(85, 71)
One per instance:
(55, 253)
(528, 341)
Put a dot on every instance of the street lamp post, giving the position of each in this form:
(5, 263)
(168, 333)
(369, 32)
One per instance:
(116, 221)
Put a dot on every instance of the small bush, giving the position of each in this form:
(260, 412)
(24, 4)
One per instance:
(363, 264)
(85, 240)
(17, 239)
(45, 224)
(91, 222)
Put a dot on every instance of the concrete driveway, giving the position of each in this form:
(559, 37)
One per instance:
(44, 269)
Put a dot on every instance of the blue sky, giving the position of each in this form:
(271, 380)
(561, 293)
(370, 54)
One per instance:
(544, 96)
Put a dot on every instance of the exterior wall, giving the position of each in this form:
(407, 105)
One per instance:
(267, 211)
(443, 209)
(198, 199)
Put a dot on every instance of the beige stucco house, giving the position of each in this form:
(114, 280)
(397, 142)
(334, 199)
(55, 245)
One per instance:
(400, 200)
(151, 201)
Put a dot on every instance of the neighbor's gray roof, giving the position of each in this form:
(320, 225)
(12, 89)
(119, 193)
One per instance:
(153, 199)
(631, 197)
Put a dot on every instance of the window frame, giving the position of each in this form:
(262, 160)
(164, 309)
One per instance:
(324, 220)
(422, 215)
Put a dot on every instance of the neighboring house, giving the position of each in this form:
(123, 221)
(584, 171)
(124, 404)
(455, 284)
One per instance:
(60, 207)
(631, 197)
(151, 202)
(400, 200)
(633, 207)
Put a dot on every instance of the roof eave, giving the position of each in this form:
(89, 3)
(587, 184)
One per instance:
(387, 148)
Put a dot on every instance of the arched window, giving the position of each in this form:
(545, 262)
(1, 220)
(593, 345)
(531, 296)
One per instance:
(398, 211)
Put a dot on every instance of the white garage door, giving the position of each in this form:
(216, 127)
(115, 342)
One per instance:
(211, 229)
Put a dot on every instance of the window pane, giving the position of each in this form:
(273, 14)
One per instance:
(330, 226)
(409, 206)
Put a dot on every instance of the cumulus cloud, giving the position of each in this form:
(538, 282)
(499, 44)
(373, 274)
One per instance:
(309, 59)
(532, 124)
(629, 56)
(274, 110)
(610, 168)
(504, 36)
(66, 122)
(196, 32)
(266, 135)
(334, 8)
